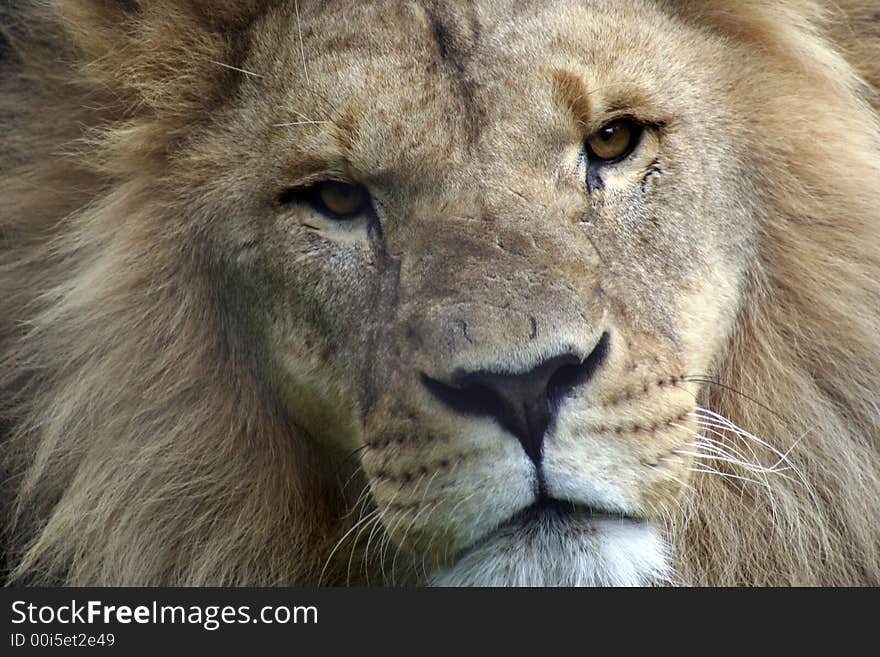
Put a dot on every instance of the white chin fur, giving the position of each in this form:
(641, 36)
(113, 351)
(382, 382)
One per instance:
(571, 552)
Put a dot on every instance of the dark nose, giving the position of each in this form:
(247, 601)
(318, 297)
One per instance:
(524, 404)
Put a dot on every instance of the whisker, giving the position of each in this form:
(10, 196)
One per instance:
(698, 378)
(360, 501)
(344, 462)
(685, 485)
(302, 122)
(336, 548)
(724, 456)
(405, 534)
(725, 447)
(302, 48)
(723, 459)
(745, 434)
(376, 519)
(235, 68)
(728, 475)
(377, 525)
(723, 452)
(390, 531)
(726, 443)
(710, 420)
(415, 519)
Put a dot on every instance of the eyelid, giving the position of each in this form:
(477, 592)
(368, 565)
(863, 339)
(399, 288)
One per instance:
(306, 183)
(645, 116)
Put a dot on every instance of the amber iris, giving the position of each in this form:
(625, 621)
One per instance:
(341, 200)
(613, 141)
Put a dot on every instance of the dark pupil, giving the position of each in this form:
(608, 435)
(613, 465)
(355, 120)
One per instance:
(607, 134)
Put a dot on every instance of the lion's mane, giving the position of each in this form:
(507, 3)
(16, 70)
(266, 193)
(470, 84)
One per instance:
(142, 443)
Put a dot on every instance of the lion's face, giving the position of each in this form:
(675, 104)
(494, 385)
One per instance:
(492, 247)
(444, 291)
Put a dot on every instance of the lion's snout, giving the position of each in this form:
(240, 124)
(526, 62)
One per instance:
(525, 402)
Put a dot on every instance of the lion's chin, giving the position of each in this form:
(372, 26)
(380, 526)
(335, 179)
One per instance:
(571, 549)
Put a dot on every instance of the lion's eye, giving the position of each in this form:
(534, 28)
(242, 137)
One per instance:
(340, 200)
(614, 141)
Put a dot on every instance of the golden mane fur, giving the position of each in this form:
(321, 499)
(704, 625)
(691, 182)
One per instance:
(142, 445)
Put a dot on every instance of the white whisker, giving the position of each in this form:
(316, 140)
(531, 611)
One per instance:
(235, 68)
(727, 475)
(783, 457)
(338, 545)
(293, 123)
(302, 48)
(390, 531)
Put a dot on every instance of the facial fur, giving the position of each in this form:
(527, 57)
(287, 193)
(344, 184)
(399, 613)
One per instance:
(514, 364)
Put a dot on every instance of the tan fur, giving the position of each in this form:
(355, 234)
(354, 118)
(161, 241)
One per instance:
(180, 407)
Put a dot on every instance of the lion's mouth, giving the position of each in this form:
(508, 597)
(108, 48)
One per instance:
(559, 543)
(552, 516)
(561, 510)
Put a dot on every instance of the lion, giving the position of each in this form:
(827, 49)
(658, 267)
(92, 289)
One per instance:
(437, 292)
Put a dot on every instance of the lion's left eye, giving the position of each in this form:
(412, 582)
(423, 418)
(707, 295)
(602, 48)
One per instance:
(340, 201)
(614, 141)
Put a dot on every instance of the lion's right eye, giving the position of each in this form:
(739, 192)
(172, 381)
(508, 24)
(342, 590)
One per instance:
(614, 141)
(341, 200)
(337, 200)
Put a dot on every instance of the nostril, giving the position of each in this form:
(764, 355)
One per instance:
(468, 399)
(524, 404)
(570, 376)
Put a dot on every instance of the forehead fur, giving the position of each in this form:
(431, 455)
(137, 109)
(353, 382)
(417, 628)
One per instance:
(171, 64)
